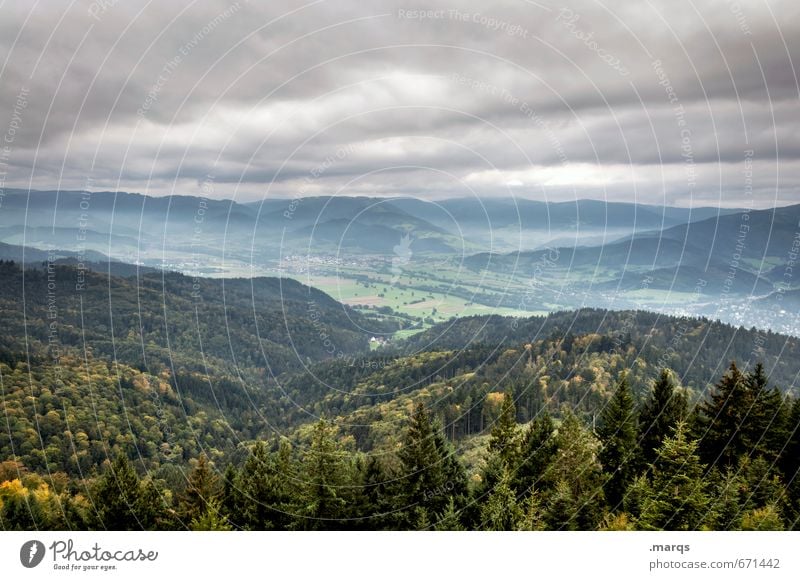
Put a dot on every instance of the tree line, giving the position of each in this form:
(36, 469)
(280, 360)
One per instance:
(730, 463)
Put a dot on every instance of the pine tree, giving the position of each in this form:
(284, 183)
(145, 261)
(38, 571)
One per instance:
(763, 519)
(232, 501)
(790, 465)
(678, 498)
(538, 451)
(423, 476)
(762, 486)
(765, 429)
(504, 442)
(576, 467)
(720, 420)
(262, 491)
(202, 487)
(617, 433)
(660, 414)
(726, 492)
(501, 510)
(450, 519)
(533, 514)
(790, 458)
(378, 497)
(211, 519)
(117, 497)
(325, 476)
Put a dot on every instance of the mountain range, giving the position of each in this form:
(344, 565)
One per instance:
(132, 226)
(521, 254)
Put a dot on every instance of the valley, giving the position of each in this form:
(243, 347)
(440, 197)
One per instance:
(267, 343)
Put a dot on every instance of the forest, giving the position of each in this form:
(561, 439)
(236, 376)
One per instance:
(586, 420)
(729, 464)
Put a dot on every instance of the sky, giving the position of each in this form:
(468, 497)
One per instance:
(662, 102)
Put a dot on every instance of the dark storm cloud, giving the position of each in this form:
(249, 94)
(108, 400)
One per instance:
(647, 100)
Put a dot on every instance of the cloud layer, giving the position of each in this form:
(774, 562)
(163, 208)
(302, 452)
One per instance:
(694, 104)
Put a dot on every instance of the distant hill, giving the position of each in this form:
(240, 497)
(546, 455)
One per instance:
(359, 225)
(35, 256)
(90, 260)
(500, 213)
(167, 320)
(132, 224)
(734, 254)
(151, 228)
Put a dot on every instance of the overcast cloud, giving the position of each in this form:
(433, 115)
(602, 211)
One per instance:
(655, 101)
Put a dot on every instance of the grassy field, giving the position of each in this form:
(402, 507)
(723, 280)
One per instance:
(432, 290)
(405, 295)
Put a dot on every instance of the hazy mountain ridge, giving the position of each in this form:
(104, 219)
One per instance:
(734, 253)
(145, 223)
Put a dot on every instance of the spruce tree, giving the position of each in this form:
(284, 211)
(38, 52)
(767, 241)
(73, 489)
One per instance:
(762, 486)
(721, 418)
(678, 497)
(150, 509)
(765, 429)
(504, 441)
(325, 479)
(562, 508)
(790, 465)
(503, 450)
(262, 490)
(790, 458)
(638, 491)
(763, 519)
(211, 519)
(662, 411)
(501, 511)
(533, 514)
(578, 494)
(455, 474)
(726, 495)
(232, 501)
(378, 496)
(201, 487)
(423, 474)
(618, 431)
(538, 450)
(450, 519)
(117, 497)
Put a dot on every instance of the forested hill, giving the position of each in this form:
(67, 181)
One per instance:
(168, 320)
(163, 369)
(160, 367)
(698, 349)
